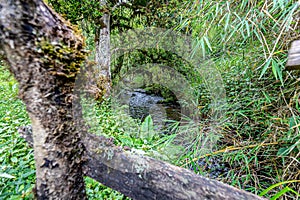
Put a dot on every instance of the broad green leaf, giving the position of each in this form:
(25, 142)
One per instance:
(274, 68)
(147, 128)
(282, 151)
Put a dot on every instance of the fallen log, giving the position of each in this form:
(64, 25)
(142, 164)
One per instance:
(141, 177)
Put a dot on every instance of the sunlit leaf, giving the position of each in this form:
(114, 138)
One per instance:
(4, 175)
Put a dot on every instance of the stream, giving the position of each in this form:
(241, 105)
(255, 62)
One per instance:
(142, 104)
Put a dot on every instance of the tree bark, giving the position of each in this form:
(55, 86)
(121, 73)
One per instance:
(103, 55)
(45, 54)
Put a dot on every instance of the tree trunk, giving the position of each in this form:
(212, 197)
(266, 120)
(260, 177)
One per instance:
(45, 54)
(103, 56)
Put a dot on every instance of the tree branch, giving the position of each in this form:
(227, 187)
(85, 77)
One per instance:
(143, 178)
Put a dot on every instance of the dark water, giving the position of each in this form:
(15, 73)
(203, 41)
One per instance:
(213, 166)
(142, 104)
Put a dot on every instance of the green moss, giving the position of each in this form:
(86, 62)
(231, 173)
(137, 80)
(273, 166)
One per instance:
(63, 59)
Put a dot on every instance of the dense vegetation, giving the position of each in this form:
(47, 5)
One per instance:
(258, 137)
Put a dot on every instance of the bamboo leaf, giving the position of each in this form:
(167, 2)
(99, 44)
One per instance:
(207, 42)
(267, 64)
(276, 185)
(280, 193)
(274, 68)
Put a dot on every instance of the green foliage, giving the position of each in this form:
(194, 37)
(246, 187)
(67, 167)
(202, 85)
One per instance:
(124, 15)
(76, 10)
(222, 26)
(147, 129)
(247, 40)
(97, 191)
(17, 171)
(141, 137)
(262, 126)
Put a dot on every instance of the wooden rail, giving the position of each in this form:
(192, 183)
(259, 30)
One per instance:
(293, 62)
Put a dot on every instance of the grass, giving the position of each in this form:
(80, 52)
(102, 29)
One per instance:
(248, 41)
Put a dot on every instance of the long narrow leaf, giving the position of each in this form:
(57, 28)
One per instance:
(276, 185)
(280, 193)
(267, 64)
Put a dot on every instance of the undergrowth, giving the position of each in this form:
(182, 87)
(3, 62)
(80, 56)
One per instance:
(260, 138)
(17, 172)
